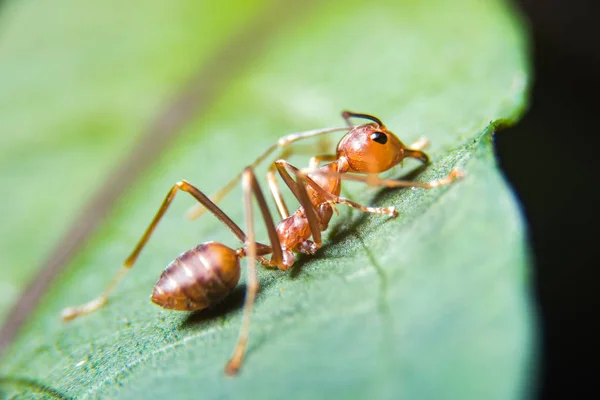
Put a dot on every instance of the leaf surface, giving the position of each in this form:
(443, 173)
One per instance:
(432, 304)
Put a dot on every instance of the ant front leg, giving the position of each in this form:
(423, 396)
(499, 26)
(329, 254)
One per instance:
(420, 144)
(374, 180)
(73, 312)
(317, 160)
(392, 183)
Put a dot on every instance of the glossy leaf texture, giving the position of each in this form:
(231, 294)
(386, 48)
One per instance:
(432, 304)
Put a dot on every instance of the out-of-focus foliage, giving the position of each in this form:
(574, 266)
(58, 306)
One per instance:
(79, 81)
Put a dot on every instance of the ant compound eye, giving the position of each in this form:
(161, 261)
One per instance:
(379, 137)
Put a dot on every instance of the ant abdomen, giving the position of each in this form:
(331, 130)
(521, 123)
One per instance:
(198, 278)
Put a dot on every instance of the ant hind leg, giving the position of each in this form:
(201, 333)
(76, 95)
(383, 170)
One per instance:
(70, 313)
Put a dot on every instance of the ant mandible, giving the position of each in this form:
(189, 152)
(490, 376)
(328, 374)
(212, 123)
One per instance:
(206, 274)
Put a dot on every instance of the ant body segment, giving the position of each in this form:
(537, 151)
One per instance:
(206, 274)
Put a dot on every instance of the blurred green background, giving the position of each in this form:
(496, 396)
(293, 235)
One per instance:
(80, 84)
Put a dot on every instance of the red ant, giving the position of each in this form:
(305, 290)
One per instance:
(206, 274)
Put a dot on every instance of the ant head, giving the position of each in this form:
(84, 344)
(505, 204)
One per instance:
(371, 148)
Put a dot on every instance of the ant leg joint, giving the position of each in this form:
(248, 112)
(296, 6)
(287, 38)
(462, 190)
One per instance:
(420, 144)
(455, 174)
(308, 247)
(392, 212)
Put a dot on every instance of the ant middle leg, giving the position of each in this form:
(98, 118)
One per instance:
(70, 313)
(334, 199)
(374, 180)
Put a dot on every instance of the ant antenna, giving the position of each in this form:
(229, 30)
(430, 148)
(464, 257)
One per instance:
(349, 114)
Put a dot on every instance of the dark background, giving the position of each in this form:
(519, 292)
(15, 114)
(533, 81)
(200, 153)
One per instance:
(550, 159)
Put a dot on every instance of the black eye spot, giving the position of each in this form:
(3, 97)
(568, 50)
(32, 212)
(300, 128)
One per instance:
(379, 137)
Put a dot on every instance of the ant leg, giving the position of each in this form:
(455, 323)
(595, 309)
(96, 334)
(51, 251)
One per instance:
(250, 186)
(276, 192)
(282, 143)
(298, 188)
(274, 187)
(391, 211)
(373, 180)
(316, 160)
(249, 179)
(342, 200)
(418, 154)
(420, 144)
(73, 312)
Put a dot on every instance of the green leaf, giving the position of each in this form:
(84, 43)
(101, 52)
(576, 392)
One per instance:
(432, 304)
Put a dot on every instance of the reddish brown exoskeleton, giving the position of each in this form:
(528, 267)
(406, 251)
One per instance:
(206, 274)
